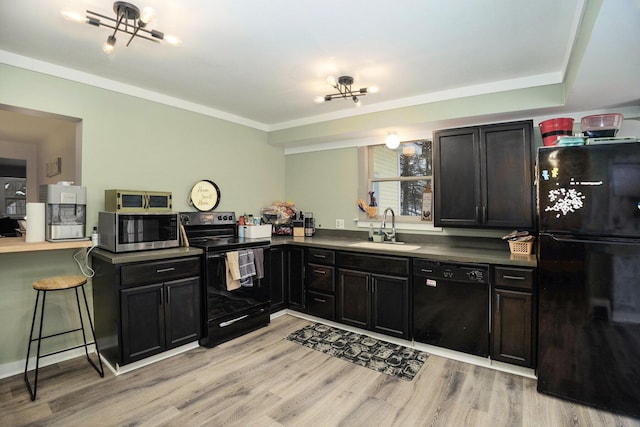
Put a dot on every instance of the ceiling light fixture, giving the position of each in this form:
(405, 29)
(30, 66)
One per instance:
(343, 86)
(129, 20)
(393, 141)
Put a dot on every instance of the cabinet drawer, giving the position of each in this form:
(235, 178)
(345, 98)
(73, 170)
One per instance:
(321, 256)
(521, 278)
(320, 277)
(374, 263)
(159, 271)
(321, 305)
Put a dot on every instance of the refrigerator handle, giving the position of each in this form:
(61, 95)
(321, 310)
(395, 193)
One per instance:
(593, 241)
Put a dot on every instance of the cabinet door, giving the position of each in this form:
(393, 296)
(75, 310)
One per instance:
(276, 273)
(390, 309)
(182, 311)
(456, 172)
(295, 278)
(512, 327)
(142, 314)
(507, 175)
(354, 302)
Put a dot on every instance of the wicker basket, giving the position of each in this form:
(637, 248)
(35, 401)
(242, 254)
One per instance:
(520, 248)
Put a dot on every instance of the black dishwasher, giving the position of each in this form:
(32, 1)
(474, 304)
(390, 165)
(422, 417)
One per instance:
(451, 305)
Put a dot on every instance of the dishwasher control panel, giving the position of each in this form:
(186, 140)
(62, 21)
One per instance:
(453, 272)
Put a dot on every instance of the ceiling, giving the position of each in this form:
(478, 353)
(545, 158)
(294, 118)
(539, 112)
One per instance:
(262, 63)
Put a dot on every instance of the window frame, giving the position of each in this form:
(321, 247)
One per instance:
(367, 181)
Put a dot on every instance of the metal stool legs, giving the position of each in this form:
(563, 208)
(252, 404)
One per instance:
(33, 391)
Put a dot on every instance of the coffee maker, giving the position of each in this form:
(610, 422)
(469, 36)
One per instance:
(65, 211)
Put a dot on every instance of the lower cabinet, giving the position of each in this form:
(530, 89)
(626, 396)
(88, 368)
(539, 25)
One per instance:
(277, 273)
(373, 300)
(159, 317)
(295, 278)
(321, 283)
(513, 316)
(145, 308)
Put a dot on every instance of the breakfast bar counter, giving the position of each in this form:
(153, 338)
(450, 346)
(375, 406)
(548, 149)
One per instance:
(18, 244)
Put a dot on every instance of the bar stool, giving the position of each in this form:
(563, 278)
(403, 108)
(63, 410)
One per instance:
(59, 283)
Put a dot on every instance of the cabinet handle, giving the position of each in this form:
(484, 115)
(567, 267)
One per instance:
(498, 303)
(319, 256)
(319, 271)
(505, 276)
(161, 296)
(165, 270)
(320, 300)
(426, 270)
(477, 213)
(484, 214)
(168, 296)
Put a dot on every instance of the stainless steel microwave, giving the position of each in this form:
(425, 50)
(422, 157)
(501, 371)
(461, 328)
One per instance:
(126, 232)
(137, 201)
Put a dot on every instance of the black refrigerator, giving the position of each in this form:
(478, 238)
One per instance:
(589, 275)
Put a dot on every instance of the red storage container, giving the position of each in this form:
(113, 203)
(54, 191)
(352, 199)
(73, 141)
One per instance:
(554, 129)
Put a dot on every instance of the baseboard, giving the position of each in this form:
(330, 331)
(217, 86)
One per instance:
(17, 367)
(119, 370)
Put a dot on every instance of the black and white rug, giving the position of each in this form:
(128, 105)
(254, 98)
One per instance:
(391, 359)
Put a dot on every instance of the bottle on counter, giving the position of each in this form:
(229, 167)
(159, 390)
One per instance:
(371, 232)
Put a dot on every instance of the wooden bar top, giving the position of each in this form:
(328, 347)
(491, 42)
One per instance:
(18, 244)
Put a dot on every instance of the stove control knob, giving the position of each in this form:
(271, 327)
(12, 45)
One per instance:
(219, 217)
(475, 275)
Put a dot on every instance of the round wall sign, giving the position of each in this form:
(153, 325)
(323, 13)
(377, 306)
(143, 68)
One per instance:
(205, 195)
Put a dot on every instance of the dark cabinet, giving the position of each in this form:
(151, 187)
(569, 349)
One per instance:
(295, 278)
(277, 274)
(159, 317)
(483, 176)
(370, 297)
(320, 283)
(513, 317)
(145, 308)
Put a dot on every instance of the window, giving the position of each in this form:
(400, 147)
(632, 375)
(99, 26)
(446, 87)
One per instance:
(398, 178)
(13, 197)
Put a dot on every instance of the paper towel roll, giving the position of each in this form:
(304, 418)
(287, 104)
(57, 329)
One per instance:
(35, 222)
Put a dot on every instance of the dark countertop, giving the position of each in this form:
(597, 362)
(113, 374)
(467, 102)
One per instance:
(460, 251)
(153, 255)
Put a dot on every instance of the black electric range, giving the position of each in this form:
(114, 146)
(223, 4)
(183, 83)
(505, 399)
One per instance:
(227, 313)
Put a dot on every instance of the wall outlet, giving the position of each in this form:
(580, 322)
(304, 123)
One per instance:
(340, 223)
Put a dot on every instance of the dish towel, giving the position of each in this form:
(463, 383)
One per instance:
(258, 260)
(247, 268)
(233, 271)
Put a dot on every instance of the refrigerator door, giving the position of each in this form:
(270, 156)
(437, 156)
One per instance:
(589, 321)
(590, 190)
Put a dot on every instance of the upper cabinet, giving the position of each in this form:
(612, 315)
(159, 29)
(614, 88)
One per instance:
(483, 176)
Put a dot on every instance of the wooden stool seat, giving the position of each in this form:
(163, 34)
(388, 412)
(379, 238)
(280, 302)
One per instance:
(58, 283)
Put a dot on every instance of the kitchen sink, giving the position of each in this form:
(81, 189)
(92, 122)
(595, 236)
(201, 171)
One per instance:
(386, 246)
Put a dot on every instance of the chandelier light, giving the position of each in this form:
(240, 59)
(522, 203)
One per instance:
(343, 86)
(129, 20)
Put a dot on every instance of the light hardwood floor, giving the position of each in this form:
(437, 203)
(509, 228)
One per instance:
(262, 379)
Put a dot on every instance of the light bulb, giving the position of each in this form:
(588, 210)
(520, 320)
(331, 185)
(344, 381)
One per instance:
(172, 40)
(392, 141)
(73, 15)
(147, 15)
(318, 99)
(109, 46)
(373, 89)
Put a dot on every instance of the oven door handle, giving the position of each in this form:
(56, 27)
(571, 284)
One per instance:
(232, 321)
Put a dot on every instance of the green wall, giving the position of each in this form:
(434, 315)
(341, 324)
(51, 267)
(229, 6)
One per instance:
(129, 143)
(325, 183)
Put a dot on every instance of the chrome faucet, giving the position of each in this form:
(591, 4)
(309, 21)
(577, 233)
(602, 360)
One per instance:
(391, 236)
